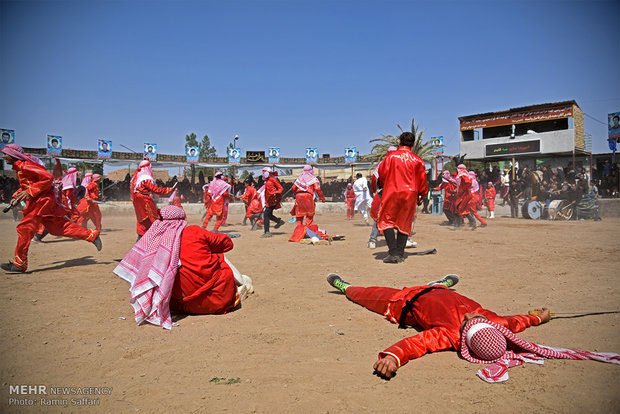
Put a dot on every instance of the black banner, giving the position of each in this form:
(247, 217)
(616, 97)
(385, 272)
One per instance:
(512, 148)
(255, 157)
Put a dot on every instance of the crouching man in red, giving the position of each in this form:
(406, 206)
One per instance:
(41, 207)
(453, 321)
(181, 268)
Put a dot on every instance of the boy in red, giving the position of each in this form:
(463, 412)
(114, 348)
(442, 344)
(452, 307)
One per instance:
(41, 207)
(448, 185)
(350, 197)
(141, 186)
(247, 197)
(465, 199)
(489, 197)
(69, 197)
(304, 188)
(273, 195)
(88, 208)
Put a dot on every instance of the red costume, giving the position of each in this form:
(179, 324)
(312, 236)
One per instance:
(403, 180)
(350, 197)
(449, 188)
(247, 197)
(439, 312)
(144, 206)
(304, 207)
(464, 197)
(88, 208)
(70, 201)
(489, 196)
(204, 283)
(216, 208)
(42, 208)
(273, 192)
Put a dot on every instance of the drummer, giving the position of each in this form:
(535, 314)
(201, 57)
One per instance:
(573, 196)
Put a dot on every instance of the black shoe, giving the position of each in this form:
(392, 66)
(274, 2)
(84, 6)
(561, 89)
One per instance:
(97, 243)
(483, 225)
(280, 224)
(391, 259)
(10, 267)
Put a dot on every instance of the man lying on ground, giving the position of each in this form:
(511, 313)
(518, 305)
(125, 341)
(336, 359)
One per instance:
(453, 321)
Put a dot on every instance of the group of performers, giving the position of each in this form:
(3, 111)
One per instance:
(178, 267)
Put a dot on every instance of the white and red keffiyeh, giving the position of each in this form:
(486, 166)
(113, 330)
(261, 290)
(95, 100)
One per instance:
(484, 342)
(68, 181)
(217, 187)
(16, 151)
(151, 266)
(88, 178)
(306, 178)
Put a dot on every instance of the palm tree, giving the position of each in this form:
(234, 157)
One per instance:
(422, 149)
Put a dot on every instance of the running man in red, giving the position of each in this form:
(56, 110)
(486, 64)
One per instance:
(247, 197)
(88, 207)
(41, 207)
(465, 198)
(69, 194)
(304, 189)
(448, 185)
(402, 177)
(489, 198)
(141, 186)
(218, 196)
(273, 195)
(181, 268)
(447, 320)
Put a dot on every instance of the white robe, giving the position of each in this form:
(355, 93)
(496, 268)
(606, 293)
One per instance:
(362, 196)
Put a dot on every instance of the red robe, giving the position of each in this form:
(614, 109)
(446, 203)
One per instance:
(465, 199)
(247, 197)
(273, 192)
(304, 200)
(350, 197)
(489, 196)
(41, 208)
(88, 209)
(439, 312)
(70, 201)
(204, 283)
(144, 206)
(403, 178)
(450, 195)
(216, 208)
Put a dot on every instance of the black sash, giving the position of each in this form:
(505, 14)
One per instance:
(409, 305)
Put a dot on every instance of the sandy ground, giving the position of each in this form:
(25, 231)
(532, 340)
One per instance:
(298, 346)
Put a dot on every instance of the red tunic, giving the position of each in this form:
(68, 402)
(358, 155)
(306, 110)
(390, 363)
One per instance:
(247, 197)
(403, 179)
(304, 200)
(489, 196)
(88, 202)
(216, 208)
(69, 199)
(37, 182)
(143, 204)
(273, 192)
(204, 283)
(465, 199)
(440, 313)
(450, 194)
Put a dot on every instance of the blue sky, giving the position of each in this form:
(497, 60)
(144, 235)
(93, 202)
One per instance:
(293, 74)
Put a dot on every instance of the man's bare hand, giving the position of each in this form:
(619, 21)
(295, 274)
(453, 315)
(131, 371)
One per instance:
(386, 367)
(21, 196)
(544, 314)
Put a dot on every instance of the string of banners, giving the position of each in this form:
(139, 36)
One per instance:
(192, 153)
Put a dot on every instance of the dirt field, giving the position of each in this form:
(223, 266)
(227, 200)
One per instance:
(296, 345)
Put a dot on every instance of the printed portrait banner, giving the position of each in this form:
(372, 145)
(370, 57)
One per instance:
(7, 137)
(350, 154)
(104, 148)
(274, 155)
(192, 154)
(150, 151)
(437, 145)
(311, 154)
(234, 155)
(613, 122)
(54, 144)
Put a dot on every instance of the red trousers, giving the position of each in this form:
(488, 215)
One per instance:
(58, 226)
(350, 207)
(89, 212)
(219, 220)
(374, 298)
(300, 230)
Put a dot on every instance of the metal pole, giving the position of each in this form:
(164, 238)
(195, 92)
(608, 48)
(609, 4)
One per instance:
(513, 168)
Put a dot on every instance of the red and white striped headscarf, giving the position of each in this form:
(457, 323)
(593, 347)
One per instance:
(96, 177)
(447, 177)
(484, 342)
(151, 267)
(88, 178)
(474, 183)
(68, 181)
(306, 178)
(17, 151)
(143, 172)
(217, 187)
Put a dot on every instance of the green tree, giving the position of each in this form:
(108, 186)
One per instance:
(422, 149)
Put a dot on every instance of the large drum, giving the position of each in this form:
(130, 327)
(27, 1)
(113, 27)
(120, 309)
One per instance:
(560, 210)
(532, 210)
